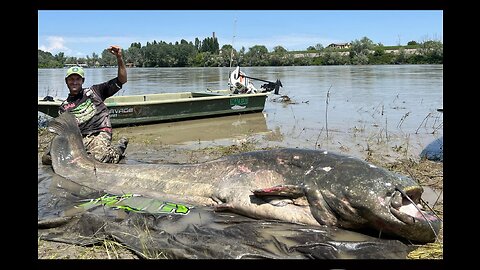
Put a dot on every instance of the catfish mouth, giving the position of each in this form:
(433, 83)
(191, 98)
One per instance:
(405, 206)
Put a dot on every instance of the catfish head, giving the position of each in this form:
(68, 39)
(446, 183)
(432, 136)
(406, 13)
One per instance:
(352, 193)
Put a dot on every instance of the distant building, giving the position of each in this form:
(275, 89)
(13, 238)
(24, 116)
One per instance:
(339, 45)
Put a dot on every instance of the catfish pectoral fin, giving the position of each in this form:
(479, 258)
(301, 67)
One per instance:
(320, 209)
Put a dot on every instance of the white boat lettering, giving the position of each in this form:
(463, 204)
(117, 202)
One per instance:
(121, 110)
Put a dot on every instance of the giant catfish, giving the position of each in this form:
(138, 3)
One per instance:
(314, 187)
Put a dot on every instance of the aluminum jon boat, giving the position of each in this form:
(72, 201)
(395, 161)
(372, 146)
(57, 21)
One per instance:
(164, 107)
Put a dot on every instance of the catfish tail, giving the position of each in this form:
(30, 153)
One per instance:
(64, 123)
(67, 145)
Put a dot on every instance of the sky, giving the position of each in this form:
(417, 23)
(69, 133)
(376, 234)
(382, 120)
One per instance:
(80, 33)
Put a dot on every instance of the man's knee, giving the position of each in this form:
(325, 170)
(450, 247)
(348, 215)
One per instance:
(102, 149)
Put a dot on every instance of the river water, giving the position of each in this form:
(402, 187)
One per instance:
(345, 108)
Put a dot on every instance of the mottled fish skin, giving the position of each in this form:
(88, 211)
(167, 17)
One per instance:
(312, 187)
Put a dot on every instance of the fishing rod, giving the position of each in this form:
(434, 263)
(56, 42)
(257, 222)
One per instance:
(233, 39)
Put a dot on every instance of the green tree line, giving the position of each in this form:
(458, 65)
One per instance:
(207, 53)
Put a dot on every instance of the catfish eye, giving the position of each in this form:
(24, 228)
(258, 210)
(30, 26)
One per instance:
(390, 193)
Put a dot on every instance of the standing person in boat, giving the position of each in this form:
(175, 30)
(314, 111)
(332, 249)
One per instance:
(88, 107)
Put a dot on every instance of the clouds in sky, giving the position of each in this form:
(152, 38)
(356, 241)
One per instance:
(54, 45)
(75, 46)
